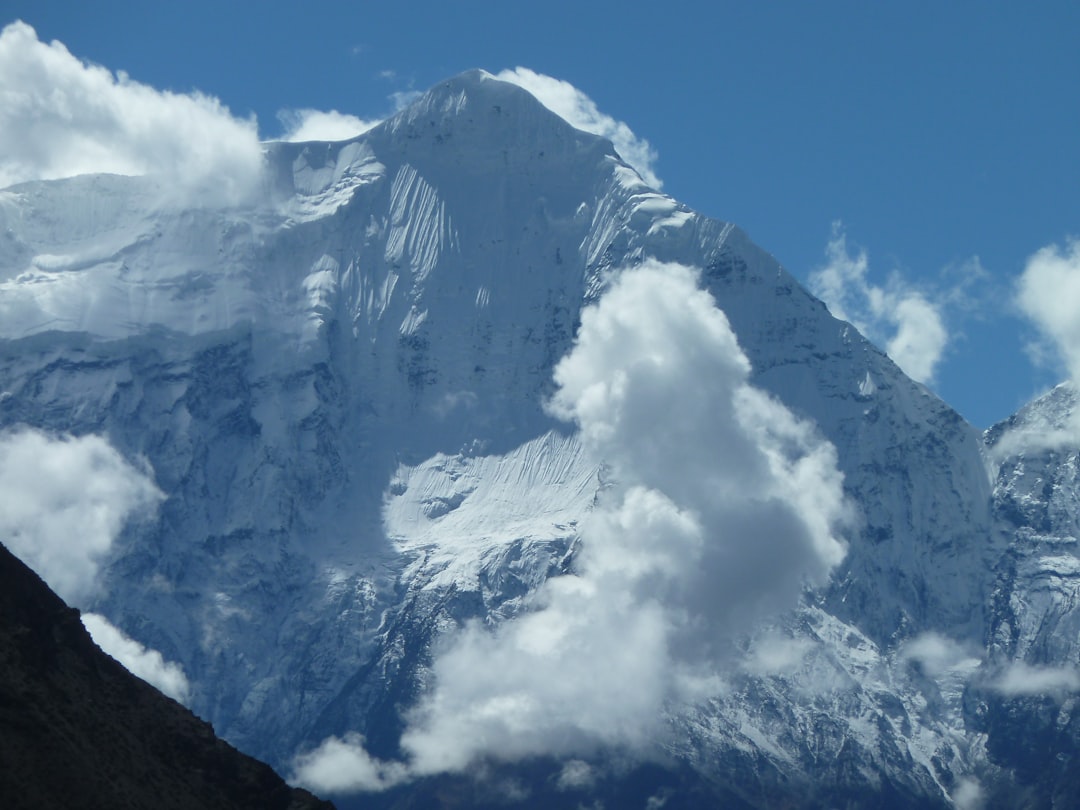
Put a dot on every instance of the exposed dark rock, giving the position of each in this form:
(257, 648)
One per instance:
(77, 730)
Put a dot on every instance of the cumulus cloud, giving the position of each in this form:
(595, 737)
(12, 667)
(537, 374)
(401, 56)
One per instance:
(1048, 292)
(315, 125)
(342, 765)
(62, 502)
(566, 101)
(1021, 679)
(724, 507)
(147, 664)
(903, 319)
(61, 117)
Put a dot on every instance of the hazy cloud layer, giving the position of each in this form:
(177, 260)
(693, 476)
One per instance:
(724, 507)
(896, 316)
(315, 125)
(61, 117)
(62, 502)
(566, 101)
(147, 664)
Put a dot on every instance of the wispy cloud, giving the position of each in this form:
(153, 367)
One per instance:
(403, 98)
(61, 117)
(146, 663)
(565, 100)
(725, 507)
(1019, 679)
(316, 125)
(904, 320)
(939, 655)
(62, 502)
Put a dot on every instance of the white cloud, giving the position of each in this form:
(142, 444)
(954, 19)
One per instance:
(580, 111)
(315, 125)
(62, 502)
(939, 655)
(138, 660)
(1048, 293)
(344, 766)
(968, 794)
(575, 775)
(725, 506)
(903, 319)
(1019, 678)
(776, 655)
(61, 117)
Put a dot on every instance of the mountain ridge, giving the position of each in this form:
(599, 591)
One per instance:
(342, 394)
(80, 731)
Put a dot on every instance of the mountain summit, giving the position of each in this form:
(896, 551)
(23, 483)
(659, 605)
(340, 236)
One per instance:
(349, 395)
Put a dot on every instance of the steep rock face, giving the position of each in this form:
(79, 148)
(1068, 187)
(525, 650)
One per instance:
(341, 392)
(1035, 633)
(80, 731)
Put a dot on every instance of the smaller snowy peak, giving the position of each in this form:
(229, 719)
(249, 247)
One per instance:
(1050, 422)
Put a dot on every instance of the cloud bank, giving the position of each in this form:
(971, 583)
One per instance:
(315, 125)
(580, 111)
(897, 316)
(145, 663)
(61, 117)
(724, 507)
(62, 502)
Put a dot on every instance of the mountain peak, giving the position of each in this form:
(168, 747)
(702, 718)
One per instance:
(492, 115)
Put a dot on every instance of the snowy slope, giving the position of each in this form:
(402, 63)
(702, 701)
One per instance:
(341, 391)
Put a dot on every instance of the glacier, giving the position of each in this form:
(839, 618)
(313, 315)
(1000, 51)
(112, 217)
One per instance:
(341, 391)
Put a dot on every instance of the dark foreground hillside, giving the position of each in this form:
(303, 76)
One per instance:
(77, 730)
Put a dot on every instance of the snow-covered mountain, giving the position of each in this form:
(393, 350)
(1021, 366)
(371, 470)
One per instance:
(341, 393)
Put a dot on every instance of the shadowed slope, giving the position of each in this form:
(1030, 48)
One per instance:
(77, 730)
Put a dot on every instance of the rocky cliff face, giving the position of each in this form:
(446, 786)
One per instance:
(341, 394)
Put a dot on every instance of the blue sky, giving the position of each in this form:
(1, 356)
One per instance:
(942, 135)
